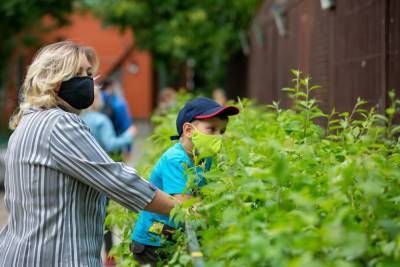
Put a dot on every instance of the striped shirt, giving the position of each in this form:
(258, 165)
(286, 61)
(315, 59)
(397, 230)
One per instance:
(57, 178)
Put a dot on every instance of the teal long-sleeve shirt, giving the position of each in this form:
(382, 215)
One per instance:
(103, 131)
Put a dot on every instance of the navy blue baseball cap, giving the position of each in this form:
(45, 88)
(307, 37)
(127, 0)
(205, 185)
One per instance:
(201, 108)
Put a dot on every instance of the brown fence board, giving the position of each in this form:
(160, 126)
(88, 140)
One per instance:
(351, 51)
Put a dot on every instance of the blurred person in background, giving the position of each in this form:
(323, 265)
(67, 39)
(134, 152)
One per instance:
(219, 96)
(103, 131)
(57, 175)
(116, 108)
(166, 100)
(102, 128)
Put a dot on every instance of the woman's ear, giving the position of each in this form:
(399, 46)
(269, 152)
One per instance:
(57, 89)
(187, 130)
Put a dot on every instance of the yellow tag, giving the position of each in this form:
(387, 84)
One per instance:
(156, 228)
(197, 254)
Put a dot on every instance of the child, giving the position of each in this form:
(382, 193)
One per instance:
(200, 124)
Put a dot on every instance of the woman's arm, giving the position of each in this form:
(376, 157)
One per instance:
(182, 197)
(162, 203)
(76, 153)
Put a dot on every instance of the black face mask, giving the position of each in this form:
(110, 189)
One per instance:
(78, 92)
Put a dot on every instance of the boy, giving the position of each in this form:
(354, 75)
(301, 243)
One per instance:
(200, 125)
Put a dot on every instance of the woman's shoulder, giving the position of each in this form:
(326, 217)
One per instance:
(69, 120)
(55, 118)
(44, 117)
(45, 123)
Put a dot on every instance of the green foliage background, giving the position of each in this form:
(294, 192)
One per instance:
(205, 32)
(21, 21)
(285, 191)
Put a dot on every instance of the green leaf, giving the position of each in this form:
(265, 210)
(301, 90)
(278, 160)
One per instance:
(390, 111)
(395, 130)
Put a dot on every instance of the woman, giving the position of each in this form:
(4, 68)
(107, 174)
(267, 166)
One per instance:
(57, 176)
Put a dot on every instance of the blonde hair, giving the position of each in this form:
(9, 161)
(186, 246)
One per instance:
(52, 64)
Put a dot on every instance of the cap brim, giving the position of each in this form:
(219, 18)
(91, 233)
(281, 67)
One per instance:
(219, 111)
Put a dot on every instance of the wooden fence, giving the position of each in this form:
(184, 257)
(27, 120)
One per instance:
(351, 50)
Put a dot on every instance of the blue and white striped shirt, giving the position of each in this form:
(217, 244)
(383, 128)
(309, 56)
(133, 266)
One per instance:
(57, 177)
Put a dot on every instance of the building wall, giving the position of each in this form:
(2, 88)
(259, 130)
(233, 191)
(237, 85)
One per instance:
(351, 51)
(137, 83)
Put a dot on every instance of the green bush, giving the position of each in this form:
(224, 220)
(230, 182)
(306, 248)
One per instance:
(285, 191)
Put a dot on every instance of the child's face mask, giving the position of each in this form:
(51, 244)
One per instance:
(206, 145)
